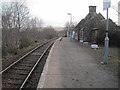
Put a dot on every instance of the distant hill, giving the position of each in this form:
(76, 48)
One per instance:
(59, 28)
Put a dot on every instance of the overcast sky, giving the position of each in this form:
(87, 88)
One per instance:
(54, 12)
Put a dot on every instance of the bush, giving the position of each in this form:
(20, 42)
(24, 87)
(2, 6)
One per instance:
(4, 50)
(100, 37)
(114, 37)
(9, 49)
(12, 49)
(114, 34)
(49, 33)
(25, 42)
(101, 34)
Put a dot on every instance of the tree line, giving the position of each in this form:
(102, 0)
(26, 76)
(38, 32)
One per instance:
(20, 29)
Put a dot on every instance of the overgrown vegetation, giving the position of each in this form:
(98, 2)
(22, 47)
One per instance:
(19, 29)
(114, 33)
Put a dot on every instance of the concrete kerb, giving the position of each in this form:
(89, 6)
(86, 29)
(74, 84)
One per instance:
(45, 69)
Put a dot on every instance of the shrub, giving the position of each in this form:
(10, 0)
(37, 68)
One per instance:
(113, 37)
(101, 34)
(25, 42)
(114, 34)
(4, 50)
(12, 49)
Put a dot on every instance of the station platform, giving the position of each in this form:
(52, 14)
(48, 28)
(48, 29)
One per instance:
(70, 66)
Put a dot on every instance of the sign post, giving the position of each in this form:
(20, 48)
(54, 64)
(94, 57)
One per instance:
(106, 5)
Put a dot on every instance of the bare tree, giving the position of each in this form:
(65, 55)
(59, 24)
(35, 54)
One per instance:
(49, 32)
(15, 14)
(35, 23)
(14, 17)
(20, 29)
(20, 14)
(117, 7)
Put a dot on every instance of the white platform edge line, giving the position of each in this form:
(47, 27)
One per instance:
(45, 69)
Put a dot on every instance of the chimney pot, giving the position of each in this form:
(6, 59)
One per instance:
(92, 9)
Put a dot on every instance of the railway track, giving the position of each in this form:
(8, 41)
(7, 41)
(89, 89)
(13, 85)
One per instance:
(26, 70)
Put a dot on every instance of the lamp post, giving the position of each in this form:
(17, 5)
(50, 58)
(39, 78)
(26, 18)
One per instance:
(70, 26)
(106, 5)
(106, 42)
(70, 17)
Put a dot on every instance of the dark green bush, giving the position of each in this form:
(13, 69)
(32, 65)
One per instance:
(114, 37)
(101, 34)
(25, 42)
(100, 37)
(114, 34)
(4, 50)
(12, 49)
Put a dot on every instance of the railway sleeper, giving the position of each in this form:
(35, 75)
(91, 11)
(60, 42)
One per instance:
(12, 76)
(29, 62)
(13, 81)
(26, 65)
(21, 68)
(10, 87)
(17, 78)
(20, 73)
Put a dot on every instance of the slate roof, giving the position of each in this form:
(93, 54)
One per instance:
(96, 17)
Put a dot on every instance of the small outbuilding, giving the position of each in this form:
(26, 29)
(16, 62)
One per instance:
(87, 29)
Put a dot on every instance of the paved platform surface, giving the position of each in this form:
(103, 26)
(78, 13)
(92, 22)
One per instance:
(69, 66)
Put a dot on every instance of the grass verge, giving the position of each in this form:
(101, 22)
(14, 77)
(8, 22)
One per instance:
(99, 55)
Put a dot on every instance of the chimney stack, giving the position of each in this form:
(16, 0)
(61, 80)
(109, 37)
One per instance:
(92, 9)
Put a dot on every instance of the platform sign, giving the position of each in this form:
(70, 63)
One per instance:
(106, 4)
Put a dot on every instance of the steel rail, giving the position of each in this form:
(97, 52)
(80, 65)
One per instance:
(21, 87)
(24, 56)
